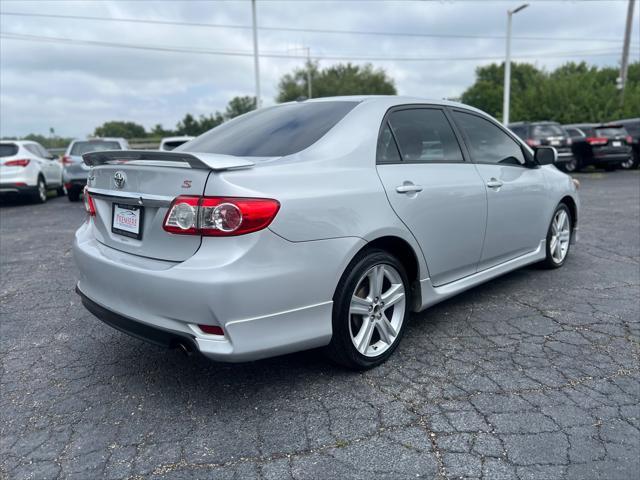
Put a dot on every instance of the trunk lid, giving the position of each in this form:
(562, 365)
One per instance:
(143, 184)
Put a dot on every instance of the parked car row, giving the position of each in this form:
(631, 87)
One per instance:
(609, 146)
(28, 169)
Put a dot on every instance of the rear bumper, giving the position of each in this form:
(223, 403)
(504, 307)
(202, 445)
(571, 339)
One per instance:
(269, 295)
(13, 188)
(76, 174)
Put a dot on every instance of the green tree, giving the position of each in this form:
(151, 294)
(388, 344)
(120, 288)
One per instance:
(120, 129)
(190, 125)
(159, 131)
(341, 79)
(574, 92)
(239, 105)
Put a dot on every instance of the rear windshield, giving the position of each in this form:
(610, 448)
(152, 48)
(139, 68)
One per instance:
(611, 132)
(80, 148)
(543, 131)
(174, 144)
(273, 132)
(8, 149)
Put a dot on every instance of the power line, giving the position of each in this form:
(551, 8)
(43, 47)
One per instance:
(243, 53)
(305, 30)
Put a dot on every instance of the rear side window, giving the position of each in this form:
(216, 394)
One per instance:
(80, 148)
(8, 149)
(549, 130)
(573, 132)
(387, 147)
(487, 142)
(273, 132)
(425, 135)
(611, 132)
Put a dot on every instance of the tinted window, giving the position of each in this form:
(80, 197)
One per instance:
(588, 131)
(8, 149)
(549, 130)
(573, 132)
(273, 132)
(173, 144)
(32, 148)
(610, 132)
(487, 142)
(387, 147)
(632, 127)
(424, 135)
(80, 148)
(42, 151)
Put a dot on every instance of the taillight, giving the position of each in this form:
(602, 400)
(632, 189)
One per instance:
(569, 141)
(88, 202)
(23, 162)
(597, 140)
(629, 139)
(532, 142)
(66, 160)
(219, 216)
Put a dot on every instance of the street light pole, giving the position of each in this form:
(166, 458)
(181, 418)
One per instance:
(507, 66)
(256, 63)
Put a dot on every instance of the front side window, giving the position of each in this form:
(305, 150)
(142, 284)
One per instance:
(574, 132)
(488, 143)
(425, 135)
(274, 131)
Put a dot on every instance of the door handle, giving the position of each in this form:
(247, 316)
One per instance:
(409, 188)
(494, 183)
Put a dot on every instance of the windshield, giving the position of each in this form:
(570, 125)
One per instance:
(80, 148)
(610, 132)
(274, 131)
(8, 149)
(550, 130)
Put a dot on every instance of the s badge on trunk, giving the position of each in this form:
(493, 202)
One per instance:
(119, 178)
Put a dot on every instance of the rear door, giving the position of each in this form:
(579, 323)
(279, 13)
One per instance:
(516, 191)
(437, 194)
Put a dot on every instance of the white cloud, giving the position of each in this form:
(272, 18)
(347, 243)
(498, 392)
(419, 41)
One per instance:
(74, 88)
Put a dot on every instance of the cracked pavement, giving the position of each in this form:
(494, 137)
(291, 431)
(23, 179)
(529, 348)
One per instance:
(534, 375)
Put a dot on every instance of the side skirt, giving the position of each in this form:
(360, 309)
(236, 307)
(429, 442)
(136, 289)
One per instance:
(432, 295)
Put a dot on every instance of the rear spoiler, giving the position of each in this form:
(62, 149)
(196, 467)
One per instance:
(207, 161)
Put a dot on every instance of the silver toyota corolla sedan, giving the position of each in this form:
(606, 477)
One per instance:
(319, 223)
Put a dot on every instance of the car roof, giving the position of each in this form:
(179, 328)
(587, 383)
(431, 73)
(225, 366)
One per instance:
(390, 100)
(542, 122)
(99, 139)
(20, 142)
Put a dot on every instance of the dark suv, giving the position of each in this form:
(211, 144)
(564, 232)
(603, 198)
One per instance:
(538, 134)
(632, 126)
(602, 145)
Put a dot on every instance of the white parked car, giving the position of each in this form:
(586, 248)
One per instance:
(27, 168)
(169, 143)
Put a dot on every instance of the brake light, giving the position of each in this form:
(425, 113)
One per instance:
(219, 216)
(66, 160)
(569, 141)
(597, 140)
(629, 139)
(23, 162)
(532, 142)
(88, 202)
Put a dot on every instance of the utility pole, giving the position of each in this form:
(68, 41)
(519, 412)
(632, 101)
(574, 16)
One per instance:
(308, 49)
(507, 66)
(256, 62)
(624, 64)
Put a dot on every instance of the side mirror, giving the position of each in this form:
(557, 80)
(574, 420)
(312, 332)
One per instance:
(545, 155)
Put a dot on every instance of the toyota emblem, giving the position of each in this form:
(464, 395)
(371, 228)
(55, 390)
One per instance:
(120, 179)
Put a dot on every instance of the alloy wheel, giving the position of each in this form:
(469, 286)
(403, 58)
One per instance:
(571, 165)
(377, 310)
(42, 190)
(560, 236)
(627, 164)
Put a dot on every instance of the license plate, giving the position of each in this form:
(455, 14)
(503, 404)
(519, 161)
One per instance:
(555, 143)
(127, 220)
(616, 143)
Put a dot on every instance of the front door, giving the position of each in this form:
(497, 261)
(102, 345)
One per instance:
(515, 189)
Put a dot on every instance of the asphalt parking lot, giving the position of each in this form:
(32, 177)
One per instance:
(534, 375)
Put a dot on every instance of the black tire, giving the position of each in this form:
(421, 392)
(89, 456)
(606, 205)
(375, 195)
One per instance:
(61, 191)
(39, 194)
(550, 262)
(342, 349)
(630, 164)
(610, 168)
(571, 166)
(73, 194)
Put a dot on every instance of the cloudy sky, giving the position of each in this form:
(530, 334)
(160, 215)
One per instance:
(75, 86)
